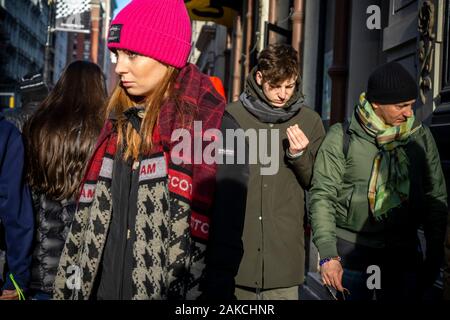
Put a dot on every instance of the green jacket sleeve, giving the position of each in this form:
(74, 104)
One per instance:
(435, 218)
(327, 178)
(303, 165)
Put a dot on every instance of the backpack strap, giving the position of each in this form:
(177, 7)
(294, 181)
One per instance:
(346, 137)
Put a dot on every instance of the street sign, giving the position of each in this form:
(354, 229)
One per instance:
(73, 16)
(218, 11)
(7, 100)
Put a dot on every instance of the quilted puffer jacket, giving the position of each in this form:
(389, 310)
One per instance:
(53, 220)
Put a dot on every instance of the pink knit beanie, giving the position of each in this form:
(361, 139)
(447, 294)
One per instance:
(159, 29)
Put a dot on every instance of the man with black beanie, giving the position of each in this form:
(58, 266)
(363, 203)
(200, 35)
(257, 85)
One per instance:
(376, 180)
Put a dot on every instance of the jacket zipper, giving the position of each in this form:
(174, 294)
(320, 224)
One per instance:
(127, 239)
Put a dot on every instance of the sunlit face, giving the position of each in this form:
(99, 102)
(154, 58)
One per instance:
(277, 94)
(394, 114)
(139, 75)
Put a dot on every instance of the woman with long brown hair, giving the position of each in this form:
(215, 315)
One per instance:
(142, 226)
(59, 139)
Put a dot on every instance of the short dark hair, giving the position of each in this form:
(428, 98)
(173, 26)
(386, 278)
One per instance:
(278, 62)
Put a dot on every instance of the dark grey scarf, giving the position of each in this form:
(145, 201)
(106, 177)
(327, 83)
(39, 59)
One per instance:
(257, 104)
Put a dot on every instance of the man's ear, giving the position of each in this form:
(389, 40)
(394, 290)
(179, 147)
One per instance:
(375, 106)
(259, 78)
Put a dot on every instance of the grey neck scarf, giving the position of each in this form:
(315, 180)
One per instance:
(256, 103)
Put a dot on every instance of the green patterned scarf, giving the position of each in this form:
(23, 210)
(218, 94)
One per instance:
(389, 182)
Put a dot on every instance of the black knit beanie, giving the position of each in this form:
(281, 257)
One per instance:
(391, 83)
(32, 88)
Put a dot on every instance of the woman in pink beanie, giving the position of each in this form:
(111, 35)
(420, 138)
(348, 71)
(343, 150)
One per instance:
(144, 218)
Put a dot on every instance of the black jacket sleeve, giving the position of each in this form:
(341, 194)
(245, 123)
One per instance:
(225, 248)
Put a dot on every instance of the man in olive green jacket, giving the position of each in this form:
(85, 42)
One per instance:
(273, 263)
(374, 184)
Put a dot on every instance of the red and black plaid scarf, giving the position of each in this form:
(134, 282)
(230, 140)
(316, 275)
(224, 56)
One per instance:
(197, 92)
(189, 187)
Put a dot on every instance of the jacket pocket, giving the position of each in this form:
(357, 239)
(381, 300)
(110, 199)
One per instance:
(344, 200)
(358, 208)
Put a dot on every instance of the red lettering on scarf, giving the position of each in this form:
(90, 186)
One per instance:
(149, 169)
(87, 193)
(199, 226)
(180, 184)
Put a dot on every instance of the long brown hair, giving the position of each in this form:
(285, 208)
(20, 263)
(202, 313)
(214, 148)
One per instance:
(121, 101)
(61, 135)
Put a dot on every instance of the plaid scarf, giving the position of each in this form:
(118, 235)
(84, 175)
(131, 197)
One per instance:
(173, 206)
(389, 181)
